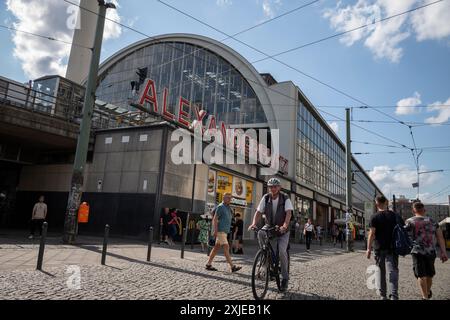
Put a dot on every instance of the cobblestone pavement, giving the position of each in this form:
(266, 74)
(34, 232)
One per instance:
(325, 273)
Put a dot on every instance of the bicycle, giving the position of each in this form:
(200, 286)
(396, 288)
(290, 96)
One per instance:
(266, 264)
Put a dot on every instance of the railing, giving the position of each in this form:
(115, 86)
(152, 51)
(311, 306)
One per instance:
(21, 96)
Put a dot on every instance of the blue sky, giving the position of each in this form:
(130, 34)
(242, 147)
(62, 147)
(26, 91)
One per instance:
(406, 57)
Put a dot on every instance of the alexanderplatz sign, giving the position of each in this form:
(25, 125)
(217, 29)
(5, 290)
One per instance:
(243, 144)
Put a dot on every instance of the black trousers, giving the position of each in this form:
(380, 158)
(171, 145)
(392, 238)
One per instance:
(308, 238)
(36, 223)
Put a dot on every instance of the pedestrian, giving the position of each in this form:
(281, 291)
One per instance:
(334, 234)
(341, 236)
(382, 226)
(424, 232)
(319, 234)
(173, 224)
(308, 231)
(38, 216)
(238, 235)
(203, 226)
(164, 221)
(222, 225)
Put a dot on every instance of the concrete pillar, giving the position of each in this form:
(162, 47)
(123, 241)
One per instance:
(78, 66)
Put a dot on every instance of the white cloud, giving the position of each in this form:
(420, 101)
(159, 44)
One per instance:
(400, 181)
(408, 105)
(384, 39)
(270, 7)
(334, 126)
(49, 18)
(223, 3)
(432, 23)
(443, 112)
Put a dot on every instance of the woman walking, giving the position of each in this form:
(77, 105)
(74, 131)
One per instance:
(203, 226)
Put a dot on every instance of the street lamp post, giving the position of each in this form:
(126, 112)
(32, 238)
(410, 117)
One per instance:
(418, 182)
(70, 222)
(349, 174)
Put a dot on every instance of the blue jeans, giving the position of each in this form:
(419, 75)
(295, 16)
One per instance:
(282, 243)
(387, 261)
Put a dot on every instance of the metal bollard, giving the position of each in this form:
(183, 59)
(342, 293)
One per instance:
(150, 241)
(105, 244)
(42, 246)
(183, 242)
(208, 247)
(192, 238)
(160, 234)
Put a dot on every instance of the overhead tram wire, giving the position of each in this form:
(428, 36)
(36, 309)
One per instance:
(44, 37)
(415, 156)
(294, 68)
(185, 54)
(271, 89)
(370, 131)
(245, 30)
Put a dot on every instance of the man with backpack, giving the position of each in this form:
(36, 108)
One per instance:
(277, 208)
(424, 232)
(382, 225)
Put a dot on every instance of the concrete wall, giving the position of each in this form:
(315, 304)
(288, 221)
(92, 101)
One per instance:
(285, 109)
(125, 161)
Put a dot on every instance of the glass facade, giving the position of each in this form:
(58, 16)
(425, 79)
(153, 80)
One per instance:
(303, 208)
(186, 70)
(320, 160)
(363, 189)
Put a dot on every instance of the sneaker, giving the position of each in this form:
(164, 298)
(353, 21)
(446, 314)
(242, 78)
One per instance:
(235, 268)
(284, 285)
(210, 268)
(30, 236)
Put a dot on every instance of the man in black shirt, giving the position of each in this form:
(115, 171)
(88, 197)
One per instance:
(382, 225)
(238, 233)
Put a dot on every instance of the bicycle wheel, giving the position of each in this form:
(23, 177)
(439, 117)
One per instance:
(260, 275)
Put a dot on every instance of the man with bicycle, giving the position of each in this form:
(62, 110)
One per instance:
(277, 209)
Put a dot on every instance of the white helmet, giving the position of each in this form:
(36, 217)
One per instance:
(273, 182)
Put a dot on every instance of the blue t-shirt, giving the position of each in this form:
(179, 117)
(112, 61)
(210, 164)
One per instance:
(223, 213)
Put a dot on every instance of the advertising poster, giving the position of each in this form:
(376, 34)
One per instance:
(239, 188)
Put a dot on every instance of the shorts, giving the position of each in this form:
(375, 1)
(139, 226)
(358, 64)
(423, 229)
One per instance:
(423, 265)
(222, 238)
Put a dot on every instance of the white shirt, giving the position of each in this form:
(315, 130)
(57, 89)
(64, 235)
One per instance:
(39, 211)
(287, 205)
(309, 227)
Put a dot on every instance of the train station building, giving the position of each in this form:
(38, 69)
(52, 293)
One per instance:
(130, 175)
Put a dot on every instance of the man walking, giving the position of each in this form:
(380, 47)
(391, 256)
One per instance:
(238, 235)
(222, 226)
(38, 216)
(382, 225)
(424, 233)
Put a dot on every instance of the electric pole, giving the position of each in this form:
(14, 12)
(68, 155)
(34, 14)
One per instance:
(73, 203)
(348, 198)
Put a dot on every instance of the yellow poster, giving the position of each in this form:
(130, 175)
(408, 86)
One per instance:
(249, 195)
(224, 184)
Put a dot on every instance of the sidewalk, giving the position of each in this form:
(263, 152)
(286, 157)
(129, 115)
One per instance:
(19, 252)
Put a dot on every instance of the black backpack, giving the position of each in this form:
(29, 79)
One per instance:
(402, 244)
